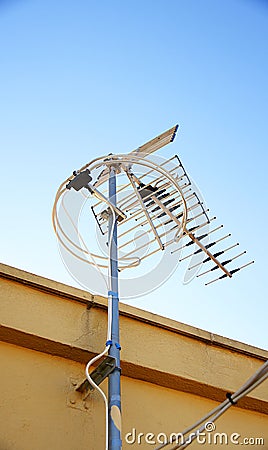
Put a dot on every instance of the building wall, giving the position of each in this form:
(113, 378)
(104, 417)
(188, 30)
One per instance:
(172, 374)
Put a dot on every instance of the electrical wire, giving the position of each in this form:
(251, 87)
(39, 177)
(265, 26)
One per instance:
(57, 227)
(86, 250)
(252, 383)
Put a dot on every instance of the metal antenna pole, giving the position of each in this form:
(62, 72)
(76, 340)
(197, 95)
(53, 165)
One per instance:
(114, 391)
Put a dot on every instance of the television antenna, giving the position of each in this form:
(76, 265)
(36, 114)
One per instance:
(157, 200)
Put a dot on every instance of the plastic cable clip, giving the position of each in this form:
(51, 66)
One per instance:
(114, 294)
(229, 396)
(109, 343)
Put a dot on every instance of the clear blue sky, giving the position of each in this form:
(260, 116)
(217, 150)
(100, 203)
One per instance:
(86, 78)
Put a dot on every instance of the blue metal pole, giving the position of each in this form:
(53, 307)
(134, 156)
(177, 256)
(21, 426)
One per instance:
(114, 390)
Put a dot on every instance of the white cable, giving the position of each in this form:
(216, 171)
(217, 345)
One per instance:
(254, 381)
(223, 408)
(86, 250)
(57, 227)
(95, 386)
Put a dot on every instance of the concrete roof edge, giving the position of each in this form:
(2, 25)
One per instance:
(81, 296)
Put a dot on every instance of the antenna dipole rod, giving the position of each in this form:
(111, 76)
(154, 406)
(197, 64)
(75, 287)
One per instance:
(196, 241)
(114, 382)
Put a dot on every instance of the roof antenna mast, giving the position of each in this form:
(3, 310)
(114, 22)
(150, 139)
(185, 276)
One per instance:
(159, 201)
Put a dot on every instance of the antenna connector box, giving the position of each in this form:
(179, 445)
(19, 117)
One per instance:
(80, 180)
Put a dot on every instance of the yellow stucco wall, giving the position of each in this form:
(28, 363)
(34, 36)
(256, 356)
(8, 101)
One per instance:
(172, 373)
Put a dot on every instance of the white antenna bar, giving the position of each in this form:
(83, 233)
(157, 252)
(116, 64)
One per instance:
(156, 143)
